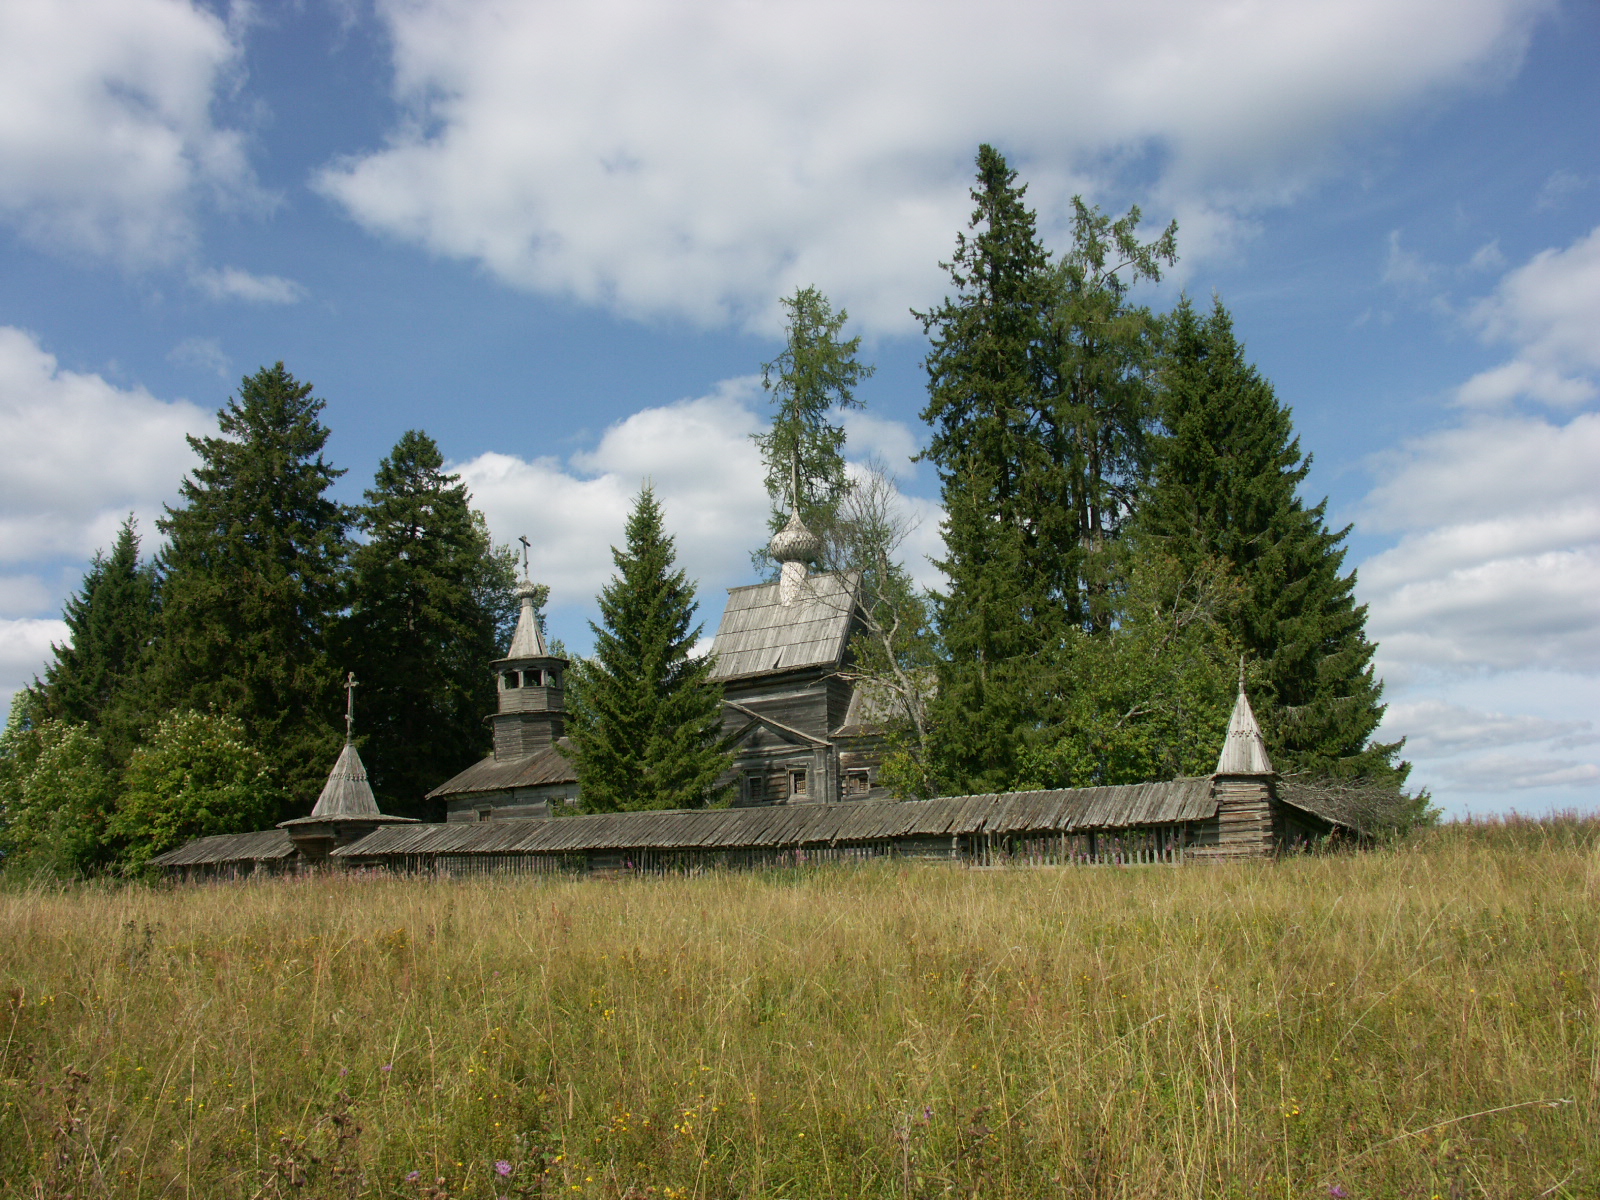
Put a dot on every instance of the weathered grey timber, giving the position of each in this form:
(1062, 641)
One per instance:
(792, 712)
(346, 809)
(243, 851)
(760, 634)
(1235, 814)
(528, 773)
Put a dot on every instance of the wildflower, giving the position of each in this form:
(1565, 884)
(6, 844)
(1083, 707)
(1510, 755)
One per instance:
(502, 1167)
(343, 1071)
(387, 1067)
(1337, 1192)
(414, 1176)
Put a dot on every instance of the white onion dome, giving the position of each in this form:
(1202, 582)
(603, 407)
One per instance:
(794, 542)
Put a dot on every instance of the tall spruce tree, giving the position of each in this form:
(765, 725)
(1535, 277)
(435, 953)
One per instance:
(252, 582)
(111, 622)
(814, 377)
(1040, 400)
(429, 597)
(1228, 472)
(645, 720)
(987, 375)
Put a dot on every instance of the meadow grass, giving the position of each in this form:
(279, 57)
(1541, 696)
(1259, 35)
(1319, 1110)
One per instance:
(1418, 1021)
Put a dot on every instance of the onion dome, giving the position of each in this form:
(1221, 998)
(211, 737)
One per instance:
(794, 542)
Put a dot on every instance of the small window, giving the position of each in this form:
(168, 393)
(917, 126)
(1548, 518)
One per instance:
(530, 679)
(797, 782)
(857, 783)
(485, 813)
(755, 787)
(511, 681)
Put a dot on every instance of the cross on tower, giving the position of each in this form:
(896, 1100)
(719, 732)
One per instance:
(524, 540)
(350, 708)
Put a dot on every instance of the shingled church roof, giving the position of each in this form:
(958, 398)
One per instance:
(760, 634)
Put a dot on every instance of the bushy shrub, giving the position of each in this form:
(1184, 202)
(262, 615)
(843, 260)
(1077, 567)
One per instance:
(197, 775)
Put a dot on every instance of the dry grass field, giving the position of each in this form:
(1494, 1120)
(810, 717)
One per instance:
(1410, 1022)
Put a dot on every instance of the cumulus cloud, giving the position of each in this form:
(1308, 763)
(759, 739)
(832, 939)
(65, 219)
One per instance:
(230, 283)
(1510, 773)
(1437, 728)
(707, 474)
(1493, 581)
(205, 354)
(107, 140)
(81, 454)
(699, 160)
(24, 650)
(1549, 310)
(1498, 562)
(697, 454)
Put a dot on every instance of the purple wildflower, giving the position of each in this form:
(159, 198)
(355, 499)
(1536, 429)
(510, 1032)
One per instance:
(343, 1071)
(1337, 1192)
(386, 1067)
(502, 1167)
(414, 1176)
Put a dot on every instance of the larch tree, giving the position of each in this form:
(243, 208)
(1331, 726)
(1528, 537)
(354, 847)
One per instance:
(430, 602)
(252, 582)
(644, 718)
(93, 678)
(1101, 350)
(809, 382)
(1227, 480)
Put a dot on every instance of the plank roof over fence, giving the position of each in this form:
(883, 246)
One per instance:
(221, 849)
(795, 825)
(758, 633)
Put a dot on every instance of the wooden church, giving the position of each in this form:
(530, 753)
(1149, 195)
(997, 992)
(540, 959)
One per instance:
(804, 784)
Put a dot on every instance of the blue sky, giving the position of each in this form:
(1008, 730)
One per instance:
(554, 237)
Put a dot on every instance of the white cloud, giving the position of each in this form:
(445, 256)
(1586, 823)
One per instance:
(1435, 728)
(707, 474)
(1510, 773)
(1493, 584)
(80, 454)
(204, 353)
(23, 595)
(24, 650)
(107, 142)
(1498, 564)
(230, 283)
(699, 160)
(1549, 309)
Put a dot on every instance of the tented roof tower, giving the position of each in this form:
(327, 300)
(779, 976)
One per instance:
(1244, 750)
(346, 809)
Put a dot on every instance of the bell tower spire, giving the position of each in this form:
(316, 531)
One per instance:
(532, 708)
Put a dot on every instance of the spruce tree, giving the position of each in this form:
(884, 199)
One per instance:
(429, 597)
(986, 386)
(1228, 473)
(1039, 402)
(814, 377)
(111, 622)
(252, 582)
(645, 720)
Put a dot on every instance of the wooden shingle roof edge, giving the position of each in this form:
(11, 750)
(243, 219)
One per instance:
(268, 845)
(549, 766)
(800, 825)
